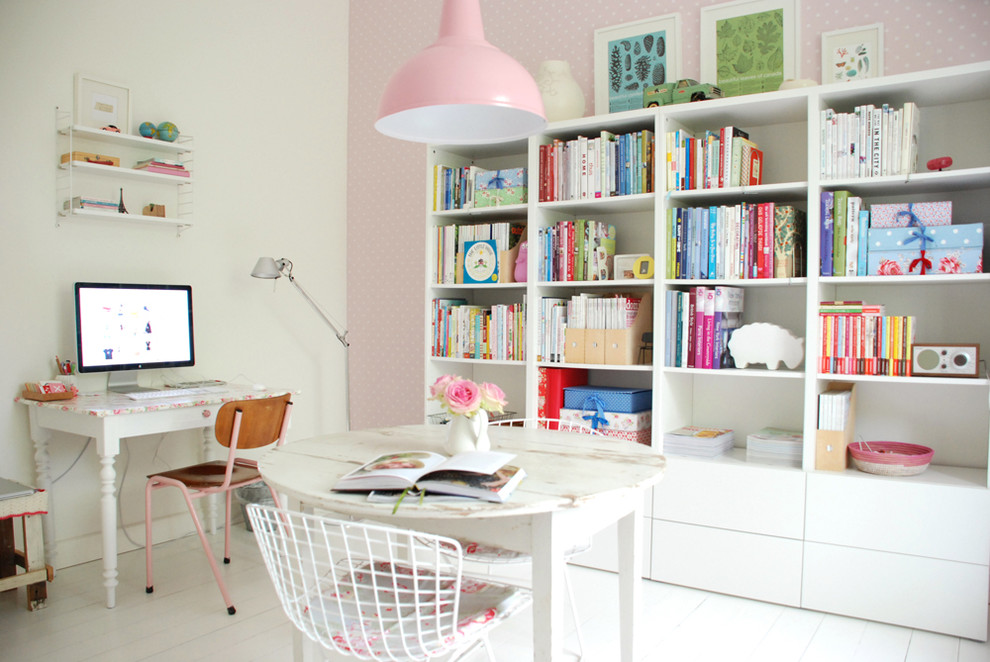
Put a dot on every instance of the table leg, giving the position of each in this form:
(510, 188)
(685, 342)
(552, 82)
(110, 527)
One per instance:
(548, 589)
(43, 477)
(630, 538)
(108, 507)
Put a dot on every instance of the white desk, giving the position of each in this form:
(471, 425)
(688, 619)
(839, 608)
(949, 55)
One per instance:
(108, 418)
(576, 485)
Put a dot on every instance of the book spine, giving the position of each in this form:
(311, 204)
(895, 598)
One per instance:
(827, 232)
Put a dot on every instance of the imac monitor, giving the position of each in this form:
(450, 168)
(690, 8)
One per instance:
(121, 329)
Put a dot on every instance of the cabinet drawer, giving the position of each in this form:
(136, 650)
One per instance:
(911, 591)
(736, 495)
(900, 515)
(744, 564)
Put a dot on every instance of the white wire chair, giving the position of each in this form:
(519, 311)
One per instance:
(378, 592)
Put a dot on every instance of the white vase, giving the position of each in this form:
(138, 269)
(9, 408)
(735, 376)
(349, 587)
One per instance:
(563, 98)
(468, 434)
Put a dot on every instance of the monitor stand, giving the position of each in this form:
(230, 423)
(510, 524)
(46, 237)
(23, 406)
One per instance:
(124, 381)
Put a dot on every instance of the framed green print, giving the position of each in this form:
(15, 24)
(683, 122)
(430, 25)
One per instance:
(749, 46)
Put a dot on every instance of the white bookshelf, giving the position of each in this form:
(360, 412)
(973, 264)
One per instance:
(779, 533)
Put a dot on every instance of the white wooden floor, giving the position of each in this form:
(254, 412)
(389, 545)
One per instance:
(185, 619)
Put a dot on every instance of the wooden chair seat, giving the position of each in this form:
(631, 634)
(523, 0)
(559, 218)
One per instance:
(211, 474)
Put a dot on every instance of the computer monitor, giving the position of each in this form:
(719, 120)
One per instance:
(123, 328)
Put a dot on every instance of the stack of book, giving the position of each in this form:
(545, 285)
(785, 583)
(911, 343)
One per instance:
(550, 331)
(450, 242)
(718, 159)
(162, 167)
(870, 141)
(476, 332)
(763, 240)
(577, 250)
(453, 188)
(858, 339)
(844, 233)
(775, 446)
(698, 441)
(89, 202)
(599, 167)
(699, 323)
(833, 410)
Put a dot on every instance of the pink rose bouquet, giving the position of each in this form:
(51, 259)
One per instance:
(463, 397)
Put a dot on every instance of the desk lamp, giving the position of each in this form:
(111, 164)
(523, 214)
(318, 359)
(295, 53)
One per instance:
(461, 89)
(267, 267)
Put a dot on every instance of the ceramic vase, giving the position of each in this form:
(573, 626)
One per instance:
(563, 98)
(468, 433)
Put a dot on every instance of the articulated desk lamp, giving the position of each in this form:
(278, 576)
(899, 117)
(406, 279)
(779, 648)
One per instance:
(270, 268)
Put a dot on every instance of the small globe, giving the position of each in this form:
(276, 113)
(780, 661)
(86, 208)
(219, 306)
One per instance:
(148, 130)
(168, 131)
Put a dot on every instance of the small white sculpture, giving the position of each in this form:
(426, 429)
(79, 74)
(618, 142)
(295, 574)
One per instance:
(766, 343)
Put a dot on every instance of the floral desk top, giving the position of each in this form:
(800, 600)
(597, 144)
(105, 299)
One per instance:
(106, 403)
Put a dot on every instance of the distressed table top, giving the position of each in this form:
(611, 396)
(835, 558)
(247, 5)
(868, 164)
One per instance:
(564, 470)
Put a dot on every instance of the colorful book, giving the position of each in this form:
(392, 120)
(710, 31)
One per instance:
(839, 211)
(788, 241)
(827, 231)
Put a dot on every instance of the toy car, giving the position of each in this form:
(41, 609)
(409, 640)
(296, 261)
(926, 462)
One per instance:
(683, 91)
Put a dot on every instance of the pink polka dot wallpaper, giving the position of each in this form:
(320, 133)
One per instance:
(386, 178)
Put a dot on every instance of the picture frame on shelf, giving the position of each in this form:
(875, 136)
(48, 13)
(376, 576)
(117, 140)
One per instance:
(852, 54)
(750, 46)
(100, 103)
(646, 53)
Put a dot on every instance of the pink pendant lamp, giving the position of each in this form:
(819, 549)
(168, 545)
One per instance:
(461, 89)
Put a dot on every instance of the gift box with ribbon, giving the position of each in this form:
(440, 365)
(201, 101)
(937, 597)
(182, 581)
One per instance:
(495, 188)
(631, 426)
(613, 398)
(917, 249)
(900, 214)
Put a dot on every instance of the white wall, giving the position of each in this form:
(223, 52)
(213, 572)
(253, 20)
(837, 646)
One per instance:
(262, 87)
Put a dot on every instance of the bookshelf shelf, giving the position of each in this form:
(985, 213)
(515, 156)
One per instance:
(478, 286)
(917, 381)
(611, 367)
(612, 205)
(735, 373)
(490, 362)
(89, 214)
(785, 192)
(787, 525)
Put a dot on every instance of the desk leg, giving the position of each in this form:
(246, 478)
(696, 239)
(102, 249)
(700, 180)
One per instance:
(108, 507)
(630, 543)
(42, 467)
(548, 589)
(209, 440)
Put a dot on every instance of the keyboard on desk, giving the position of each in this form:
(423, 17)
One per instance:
(174, 392)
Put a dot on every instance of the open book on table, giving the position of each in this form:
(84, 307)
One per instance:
(480, 474)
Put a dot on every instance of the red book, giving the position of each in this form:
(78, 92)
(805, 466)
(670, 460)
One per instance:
(756, 168)
(553, 381)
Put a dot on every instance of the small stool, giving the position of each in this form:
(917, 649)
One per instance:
(29, 509)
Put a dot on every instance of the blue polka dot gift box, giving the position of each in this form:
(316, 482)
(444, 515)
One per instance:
(923, 250)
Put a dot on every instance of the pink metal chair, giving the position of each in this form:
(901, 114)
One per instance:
(240, 425)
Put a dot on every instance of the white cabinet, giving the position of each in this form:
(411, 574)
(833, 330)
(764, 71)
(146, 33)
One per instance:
(913, 551)
(81, 175)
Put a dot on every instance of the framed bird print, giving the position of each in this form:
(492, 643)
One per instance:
(852, 54)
